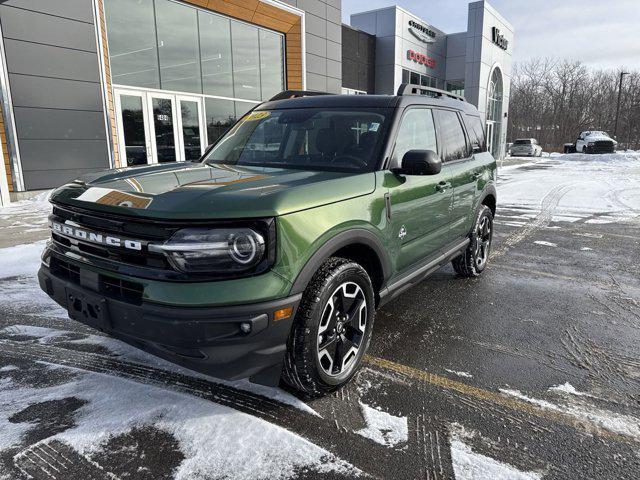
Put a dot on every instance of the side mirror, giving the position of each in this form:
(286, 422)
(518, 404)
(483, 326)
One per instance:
(421, 162)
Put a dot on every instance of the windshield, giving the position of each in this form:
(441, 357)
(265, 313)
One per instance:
(305, 138)
(522, 142)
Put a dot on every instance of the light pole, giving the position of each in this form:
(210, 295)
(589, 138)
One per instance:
(615, 128)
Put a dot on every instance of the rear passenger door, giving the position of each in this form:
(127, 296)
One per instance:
(419, 204)
(464, 170)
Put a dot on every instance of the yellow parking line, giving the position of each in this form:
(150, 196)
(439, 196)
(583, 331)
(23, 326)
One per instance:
(497, 399)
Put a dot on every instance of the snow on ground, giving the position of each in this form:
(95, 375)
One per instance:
(469, 465)
(382, 427)
(568, 388)
(458, 373)
(614, 422)
(603, 191)
(546, 244)
(27, 214)
(217, 442)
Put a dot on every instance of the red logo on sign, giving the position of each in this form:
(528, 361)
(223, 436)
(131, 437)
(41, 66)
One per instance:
(421, 59)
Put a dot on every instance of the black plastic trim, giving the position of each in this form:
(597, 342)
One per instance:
(343, 239)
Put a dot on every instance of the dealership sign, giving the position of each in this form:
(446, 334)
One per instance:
(421, 58)
(422, 33)
(498, 38)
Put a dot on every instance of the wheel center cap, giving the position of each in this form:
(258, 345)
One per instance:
(339, 327)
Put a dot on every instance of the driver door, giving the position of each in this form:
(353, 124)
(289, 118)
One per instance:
(420, 205)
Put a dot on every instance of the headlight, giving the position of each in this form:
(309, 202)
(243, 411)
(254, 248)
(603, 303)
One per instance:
(214, 251)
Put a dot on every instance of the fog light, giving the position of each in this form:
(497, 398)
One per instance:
(245, 327)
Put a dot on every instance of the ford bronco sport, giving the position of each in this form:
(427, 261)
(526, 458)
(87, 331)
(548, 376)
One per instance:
(268, 257)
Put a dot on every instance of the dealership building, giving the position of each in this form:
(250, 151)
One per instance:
(87, 85)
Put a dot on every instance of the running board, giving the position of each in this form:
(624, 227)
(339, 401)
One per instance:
(416, 276)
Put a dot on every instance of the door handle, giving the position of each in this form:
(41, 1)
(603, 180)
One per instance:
(442, 186)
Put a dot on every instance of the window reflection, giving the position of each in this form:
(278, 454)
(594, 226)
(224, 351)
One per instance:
(178, 47)
(215, 47)
(271, 62)
(163, 126)
(132, 43)
(220, 116)
(246, 74)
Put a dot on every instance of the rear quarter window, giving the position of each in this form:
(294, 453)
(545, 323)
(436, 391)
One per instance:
(454, 140)
(476, 131)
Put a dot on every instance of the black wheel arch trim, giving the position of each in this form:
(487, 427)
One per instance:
(343, 239)
(489, 189)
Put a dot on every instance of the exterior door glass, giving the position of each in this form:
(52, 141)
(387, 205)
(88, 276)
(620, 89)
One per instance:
(135, 142)
(191, 135)
(163, 129)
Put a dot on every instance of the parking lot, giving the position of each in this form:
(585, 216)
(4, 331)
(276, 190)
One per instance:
(530, 371)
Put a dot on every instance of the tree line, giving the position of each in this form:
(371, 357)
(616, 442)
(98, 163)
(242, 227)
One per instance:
(553, 100)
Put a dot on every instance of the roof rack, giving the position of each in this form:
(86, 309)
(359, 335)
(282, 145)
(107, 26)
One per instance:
(296, 94)
(410, 89)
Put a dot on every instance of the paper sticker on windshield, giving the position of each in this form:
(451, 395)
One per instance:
(374, 127)
(256, 116)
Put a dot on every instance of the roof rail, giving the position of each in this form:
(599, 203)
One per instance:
(410, 89)
(296, 94)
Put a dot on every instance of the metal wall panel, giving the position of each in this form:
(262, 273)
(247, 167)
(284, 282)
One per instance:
(46, 29)
(47, 61)
(75, 9)
(50, 124)
(70, 155)
(54, 77)
(30, 91)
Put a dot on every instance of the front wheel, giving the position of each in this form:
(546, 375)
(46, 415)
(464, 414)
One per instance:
(332, 329)
(474, 260)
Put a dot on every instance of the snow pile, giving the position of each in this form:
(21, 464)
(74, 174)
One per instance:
(29, 215)
(568, 388)
(217, 442)
(458, 373)
(468, 465)
(612, 421)
(21, 260)
(382, 427)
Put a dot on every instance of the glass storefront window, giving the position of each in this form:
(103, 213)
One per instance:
(215, 47)
(131, 33)
(220, 115)
(243, 107)
(246, 61)
(178, 47)
(271, 61)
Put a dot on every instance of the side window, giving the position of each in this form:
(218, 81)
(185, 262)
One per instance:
(476, 132)
(454, 142)
(417, 132)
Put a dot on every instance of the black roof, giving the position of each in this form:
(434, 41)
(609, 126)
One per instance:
(368, 101)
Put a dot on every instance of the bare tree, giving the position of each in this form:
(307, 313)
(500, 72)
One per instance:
(553, 100)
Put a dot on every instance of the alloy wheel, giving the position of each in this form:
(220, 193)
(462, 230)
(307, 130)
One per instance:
(342, 328)
(483, 242)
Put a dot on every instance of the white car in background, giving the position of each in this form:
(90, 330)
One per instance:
(595, 141)
(526, 147)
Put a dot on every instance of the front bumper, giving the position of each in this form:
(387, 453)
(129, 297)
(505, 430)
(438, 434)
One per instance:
(205, 339)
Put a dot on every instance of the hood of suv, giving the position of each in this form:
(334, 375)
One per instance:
(198, 191)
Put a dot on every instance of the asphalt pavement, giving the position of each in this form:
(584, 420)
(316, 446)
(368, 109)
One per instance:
(530, 371)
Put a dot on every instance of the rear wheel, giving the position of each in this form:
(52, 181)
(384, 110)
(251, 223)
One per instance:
(332, 329)
(474, 260)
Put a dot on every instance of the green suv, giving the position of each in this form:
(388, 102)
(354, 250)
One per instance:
(268, 257)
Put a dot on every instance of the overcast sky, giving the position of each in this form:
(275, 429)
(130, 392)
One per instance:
(600, 33)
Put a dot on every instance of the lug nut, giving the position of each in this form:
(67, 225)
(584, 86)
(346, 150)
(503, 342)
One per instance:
(245, 327)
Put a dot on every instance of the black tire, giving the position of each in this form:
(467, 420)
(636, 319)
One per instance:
(585, 150)
(306, 366)
(476, 257)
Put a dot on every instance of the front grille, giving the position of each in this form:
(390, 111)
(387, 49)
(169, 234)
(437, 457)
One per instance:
(603, 146)
(130, 292)
(124, 290)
